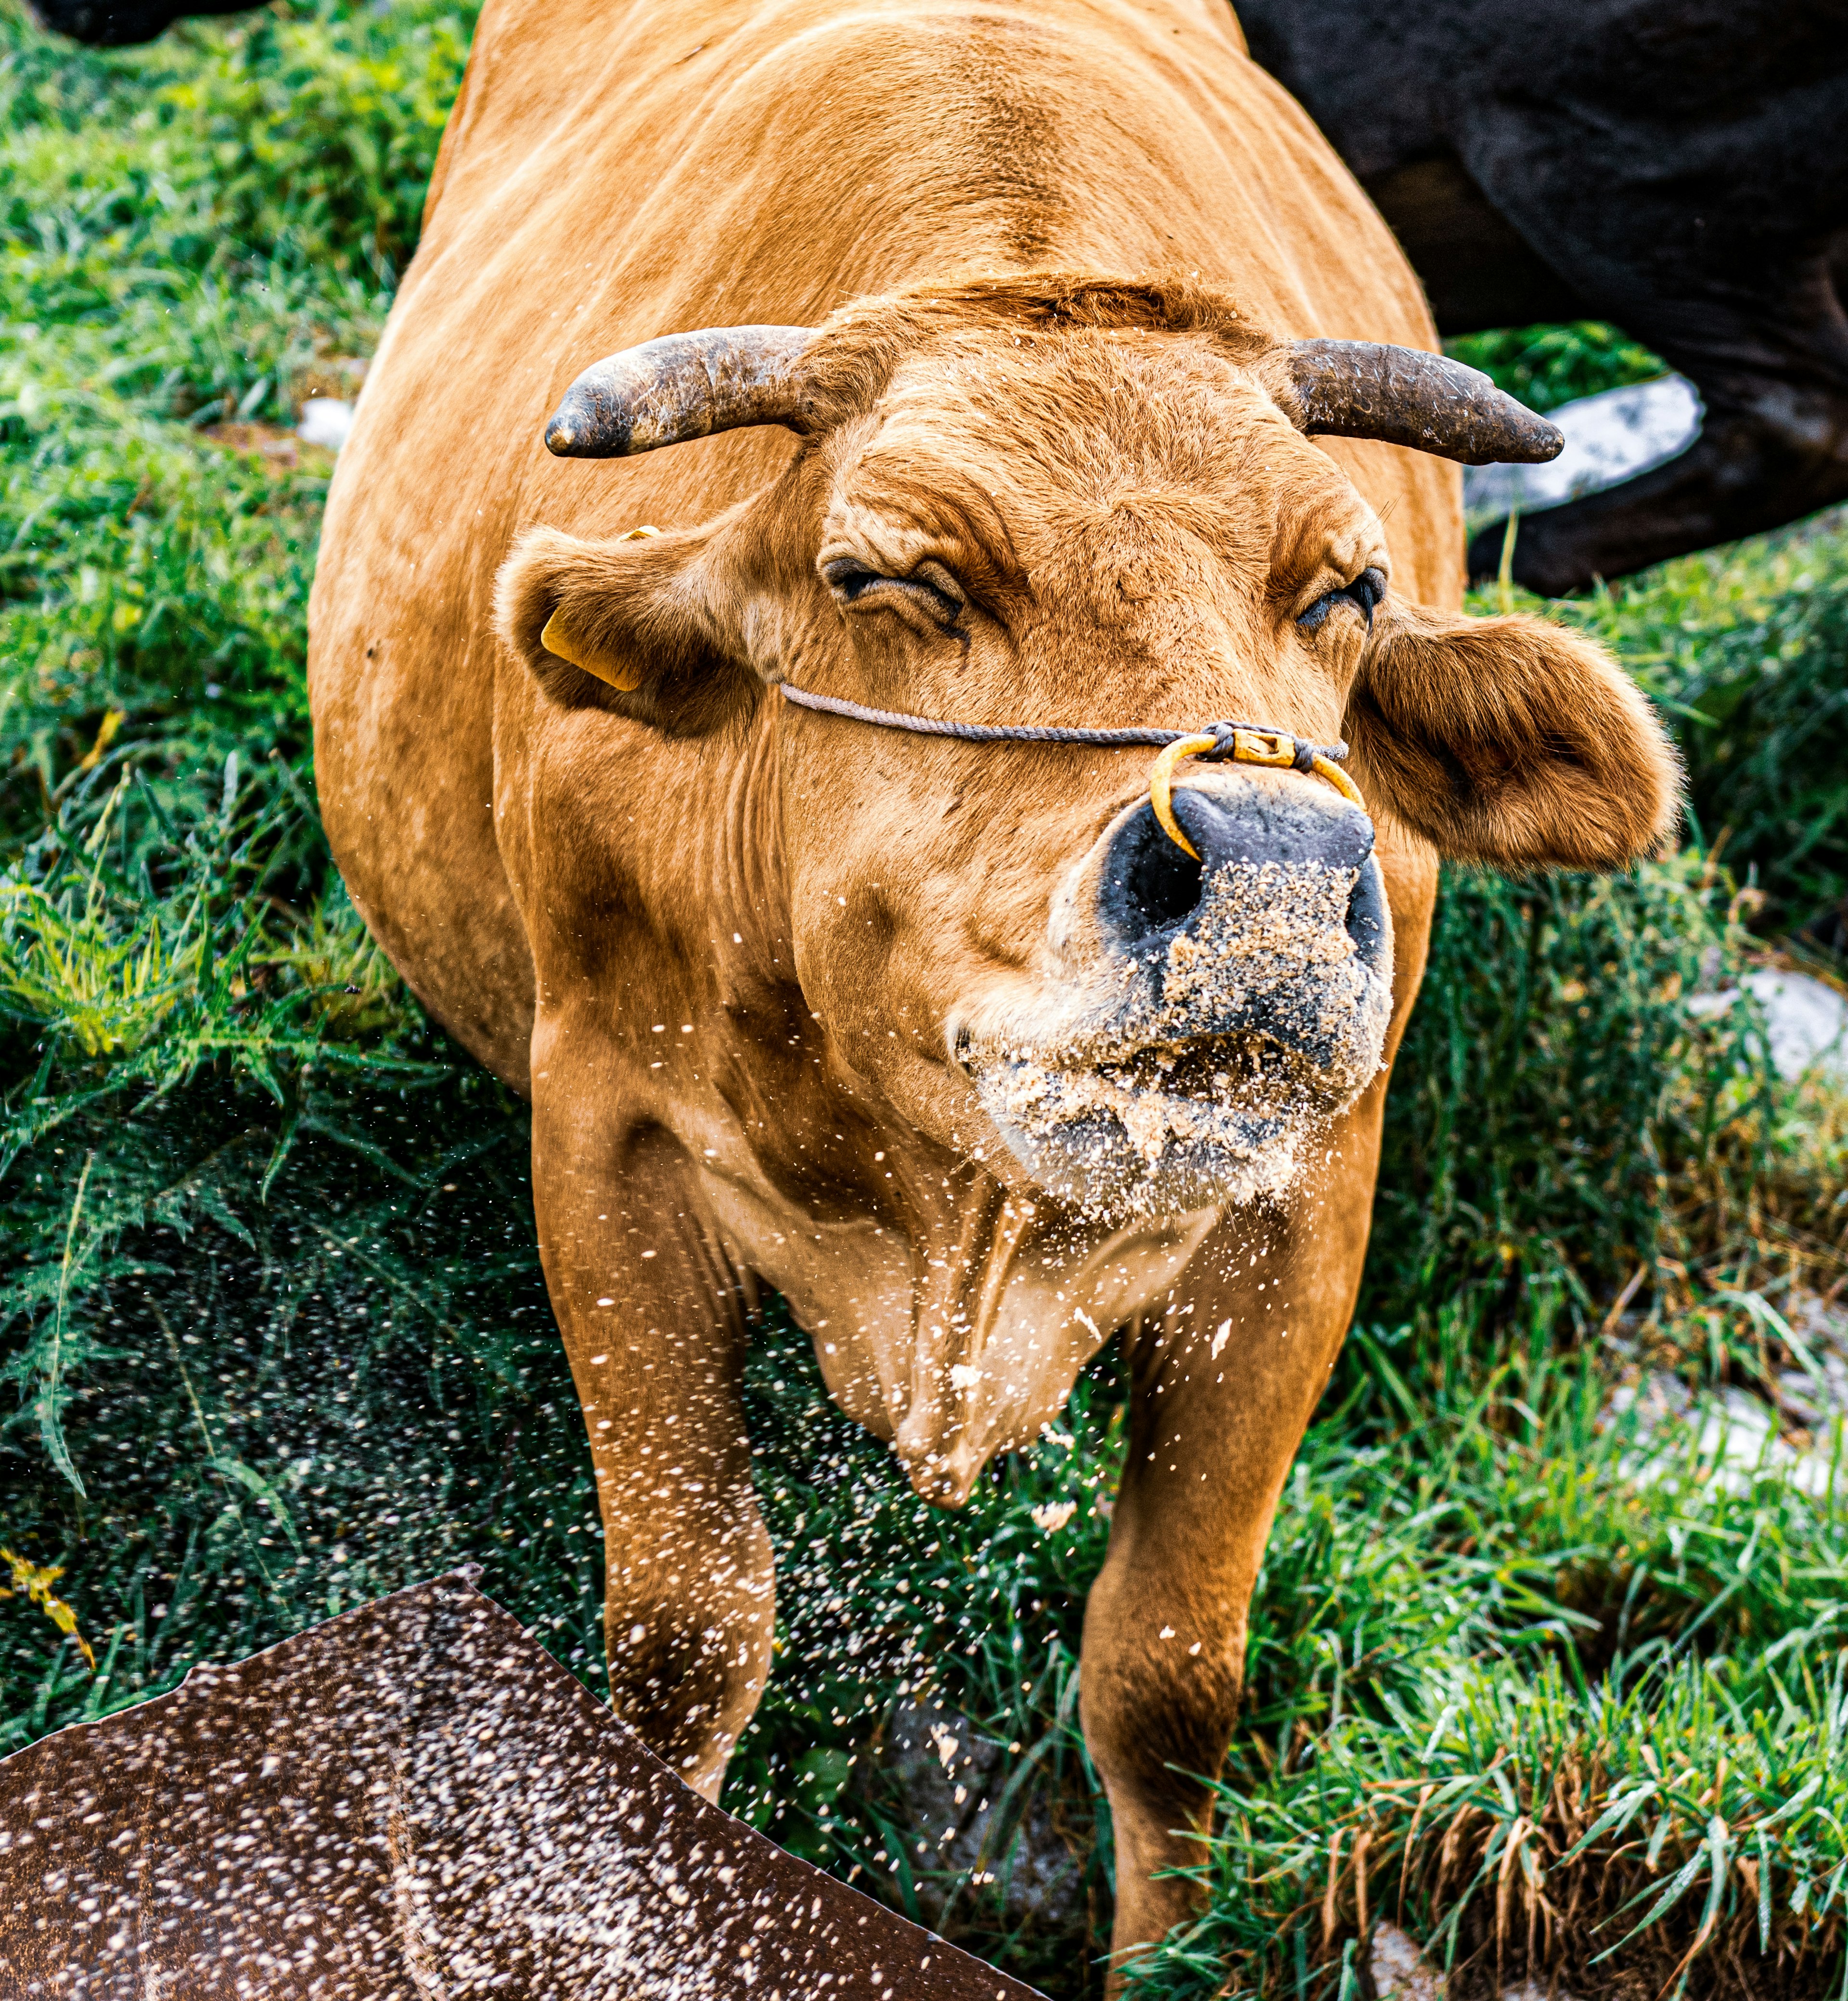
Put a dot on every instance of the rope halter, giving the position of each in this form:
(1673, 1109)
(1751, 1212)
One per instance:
(1216, 743)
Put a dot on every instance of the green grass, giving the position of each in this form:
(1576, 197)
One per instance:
(1485, 1632)
(1750, 652)
(273, 1330)
(1546, 365)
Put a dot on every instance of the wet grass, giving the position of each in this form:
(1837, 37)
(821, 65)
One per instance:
(272, 1333)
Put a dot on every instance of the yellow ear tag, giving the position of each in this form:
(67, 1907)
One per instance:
(557, 641)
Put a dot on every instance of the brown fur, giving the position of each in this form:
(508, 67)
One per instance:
(722, 941)
(1510, 741)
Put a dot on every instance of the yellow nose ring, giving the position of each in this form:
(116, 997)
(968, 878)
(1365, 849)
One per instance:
(1239, 746)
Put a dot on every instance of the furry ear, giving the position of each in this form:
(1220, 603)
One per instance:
(1510, 741)
(568, 635)
(629, 625)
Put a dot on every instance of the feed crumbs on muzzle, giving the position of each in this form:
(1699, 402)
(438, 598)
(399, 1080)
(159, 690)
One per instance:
(1202, 1073)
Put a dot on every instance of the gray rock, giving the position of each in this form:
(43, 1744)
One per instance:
(1807, 1020)
(1609, 438)
(1401, 1972)
(1732, 1438)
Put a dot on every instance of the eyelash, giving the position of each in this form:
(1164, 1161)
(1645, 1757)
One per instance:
(851, 578)
(1364, 592)
(850, 581)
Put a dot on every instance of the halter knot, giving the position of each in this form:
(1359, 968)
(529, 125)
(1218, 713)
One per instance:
(1253, 744)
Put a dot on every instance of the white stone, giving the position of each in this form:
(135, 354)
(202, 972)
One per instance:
(1729, 1440)
(1401, 1972)
(1609, 438)
(1807, 1019)
(326, 420)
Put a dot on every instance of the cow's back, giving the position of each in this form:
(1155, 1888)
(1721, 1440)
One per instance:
(613, 172)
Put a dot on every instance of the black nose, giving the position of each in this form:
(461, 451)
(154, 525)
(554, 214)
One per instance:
(1152, 886)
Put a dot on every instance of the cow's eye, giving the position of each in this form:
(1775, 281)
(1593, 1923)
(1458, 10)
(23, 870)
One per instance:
(930, 585)
(849, 579)
(1363, 593)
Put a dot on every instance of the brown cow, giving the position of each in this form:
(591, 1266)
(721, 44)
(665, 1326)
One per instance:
(950, 1043)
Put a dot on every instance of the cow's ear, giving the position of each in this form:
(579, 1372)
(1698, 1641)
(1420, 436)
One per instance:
(631, 625)
(1510, 741)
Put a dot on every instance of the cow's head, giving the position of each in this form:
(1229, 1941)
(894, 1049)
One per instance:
(1074, 502)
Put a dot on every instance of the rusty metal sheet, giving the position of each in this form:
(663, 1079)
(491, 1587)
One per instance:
(415, 1803)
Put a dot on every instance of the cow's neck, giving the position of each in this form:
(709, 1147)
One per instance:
(950, 1312)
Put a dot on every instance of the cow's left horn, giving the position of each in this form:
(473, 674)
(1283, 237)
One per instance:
(1367, 389)
(682, 386)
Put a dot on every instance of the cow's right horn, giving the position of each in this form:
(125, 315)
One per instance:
(682, 386)
(1402, 396)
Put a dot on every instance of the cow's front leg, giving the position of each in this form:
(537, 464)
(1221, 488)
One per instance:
(653, 1323)
(1223, 1385)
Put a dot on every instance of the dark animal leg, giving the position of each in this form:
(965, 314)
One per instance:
(1773, 445)
(114, 24)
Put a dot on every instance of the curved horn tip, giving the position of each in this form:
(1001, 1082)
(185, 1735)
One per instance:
(584, 425)
(1407, 396)
(570, 436)
(678, 386)
(1547, 442)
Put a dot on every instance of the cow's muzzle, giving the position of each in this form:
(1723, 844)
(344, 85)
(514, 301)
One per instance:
(1220, 1007)
(1154, 891)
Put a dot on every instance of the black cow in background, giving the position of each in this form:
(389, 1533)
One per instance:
(1678, 167)
(118, 24)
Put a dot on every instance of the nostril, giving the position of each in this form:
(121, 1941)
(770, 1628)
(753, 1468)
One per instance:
(1152, 887)
(1161, 884)
(1366, 911)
